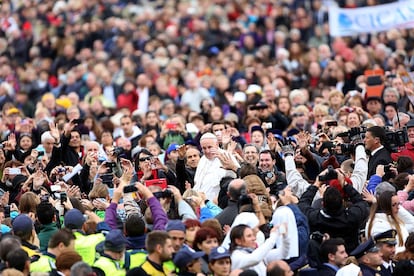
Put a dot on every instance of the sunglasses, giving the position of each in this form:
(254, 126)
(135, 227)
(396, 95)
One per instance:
(142, 159)
(298, 114)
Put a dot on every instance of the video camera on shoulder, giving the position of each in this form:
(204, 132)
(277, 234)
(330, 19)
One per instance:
(396, 139)
(355, 133)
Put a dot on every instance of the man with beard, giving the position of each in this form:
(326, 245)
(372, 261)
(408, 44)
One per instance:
(160, 250)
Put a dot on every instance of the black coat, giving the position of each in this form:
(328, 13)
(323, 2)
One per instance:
(227, 216)
(344, 224)
(381, 157)
(325, 270)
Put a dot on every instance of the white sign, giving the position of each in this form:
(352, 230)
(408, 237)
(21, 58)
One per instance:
(348, 22)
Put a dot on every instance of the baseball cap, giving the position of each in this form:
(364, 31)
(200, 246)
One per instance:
(74, 219)
(186, 255)
(22, 224)
(115, 241)
(172, 147)
(218, 253)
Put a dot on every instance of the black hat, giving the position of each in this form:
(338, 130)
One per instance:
(257, 128)
(410, 123)
(387, 237)
(365, 248)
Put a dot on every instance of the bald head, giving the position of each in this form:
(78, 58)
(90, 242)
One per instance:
(236, 188)
(279, 268)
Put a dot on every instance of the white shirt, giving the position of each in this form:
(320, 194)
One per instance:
(376, 150)
(143, 99)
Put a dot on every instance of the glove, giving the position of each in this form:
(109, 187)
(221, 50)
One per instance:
(288, 150)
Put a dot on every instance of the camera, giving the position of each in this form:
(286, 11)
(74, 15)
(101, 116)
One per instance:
(164, 194)
(396, 139)
(387, 168)
(118, 151)
(354, 133)
(130, 189)
(347, 149)
(317, 236)
(61, 170)
(330, 175)
(269, 175)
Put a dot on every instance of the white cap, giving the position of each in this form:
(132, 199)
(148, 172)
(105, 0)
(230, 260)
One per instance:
(254, 88)
(239, 97)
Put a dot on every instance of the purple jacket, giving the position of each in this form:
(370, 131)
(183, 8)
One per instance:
(160, 218)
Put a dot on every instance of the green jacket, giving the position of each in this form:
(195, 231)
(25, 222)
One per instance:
(45, 233)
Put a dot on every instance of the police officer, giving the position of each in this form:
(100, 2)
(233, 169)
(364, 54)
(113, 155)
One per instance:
(369, 258)
(85, 244)
(160, 249)
(62, 240)
(386, 242)
(109, 263)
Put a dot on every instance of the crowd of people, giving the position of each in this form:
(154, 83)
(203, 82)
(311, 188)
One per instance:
(203, 138)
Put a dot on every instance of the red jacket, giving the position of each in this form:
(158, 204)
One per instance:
(408, 151)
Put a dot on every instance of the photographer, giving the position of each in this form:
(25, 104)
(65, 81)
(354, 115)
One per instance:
(268, 172)
(333, 218)
(409, 146)
(149, 167)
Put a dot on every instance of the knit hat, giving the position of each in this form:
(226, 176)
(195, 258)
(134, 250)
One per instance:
(175, 225)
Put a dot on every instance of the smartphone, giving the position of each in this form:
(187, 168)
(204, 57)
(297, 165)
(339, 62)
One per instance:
(7, 211)
(15, 171)
(40, 153)
(331, 123)
(107, 179)
(44, 198)
(130, 189)
(63, 197)
(269, 125)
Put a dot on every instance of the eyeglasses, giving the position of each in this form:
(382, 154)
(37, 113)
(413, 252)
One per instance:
(142, 159)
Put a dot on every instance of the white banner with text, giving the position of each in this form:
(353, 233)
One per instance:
(348, 22)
